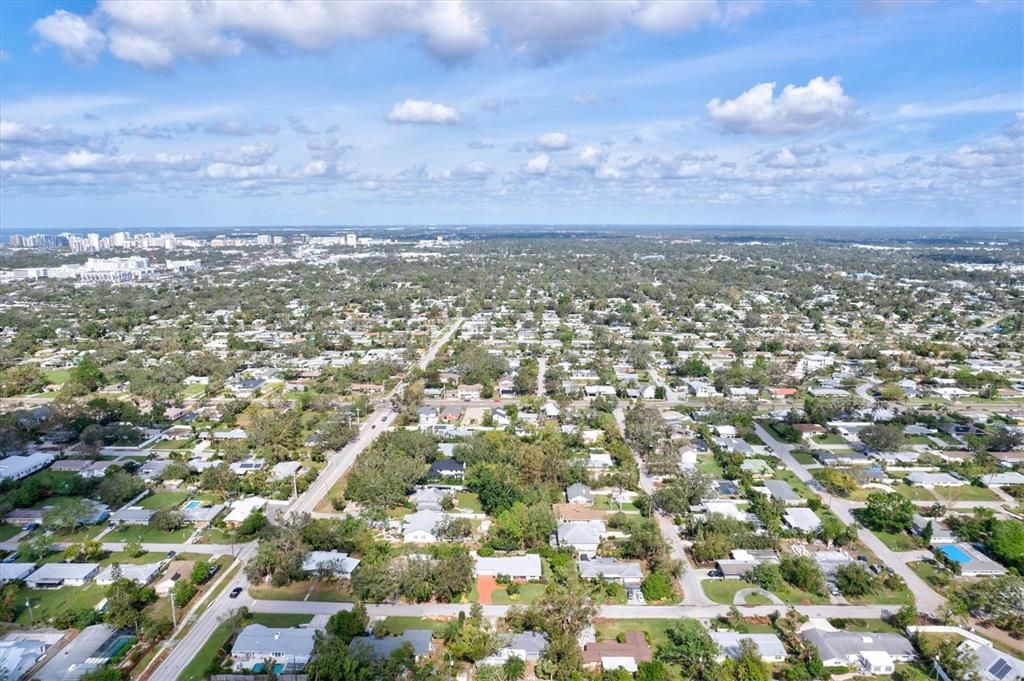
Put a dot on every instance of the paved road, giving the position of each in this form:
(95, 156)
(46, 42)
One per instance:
(693, 593)
(186, 648)
(927, 600)
(607, 611)
(209, 549)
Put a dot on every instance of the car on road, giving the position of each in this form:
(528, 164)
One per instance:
(383, 418)
(235, 592)
(171, 554)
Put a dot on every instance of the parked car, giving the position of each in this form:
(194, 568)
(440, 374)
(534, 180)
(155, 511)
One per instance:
(235, 592)
(171, 554)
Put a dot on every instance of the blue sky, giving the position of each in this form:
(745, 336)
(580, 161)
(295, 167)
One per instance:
(164, 113)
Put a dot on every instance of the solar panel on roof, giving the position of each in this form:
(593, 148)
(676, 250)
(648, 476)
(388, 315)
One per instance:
(999, 669)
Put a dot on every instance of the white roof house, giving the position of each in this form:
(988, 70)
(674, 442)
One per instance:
(241, 509)
(578, 493)
(582, 535)
(768, 645)
(517, 567)
(340, 564)
(15, 572)
(140, 574)
(418, 527)
(935, 480)
(627, 573)
(291, 647)
(18, 467)
(803, 519)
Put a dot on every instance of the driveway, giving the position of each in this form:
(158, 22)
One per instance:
(485, 588)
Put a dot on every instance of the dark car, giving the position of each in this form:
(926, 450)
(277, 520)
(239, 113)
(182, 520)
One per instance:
(235, 592)
(171, 554)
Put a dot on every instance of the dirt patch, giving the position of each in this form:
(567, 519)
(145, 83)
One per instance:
(485, 588)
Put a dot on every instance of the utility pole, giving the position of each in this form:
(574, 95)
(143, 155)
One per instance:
(174, 614)
(31, 617)
(295, 486)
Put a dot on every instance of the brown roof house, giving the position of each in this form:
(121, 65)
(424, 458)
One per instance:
(605, 655)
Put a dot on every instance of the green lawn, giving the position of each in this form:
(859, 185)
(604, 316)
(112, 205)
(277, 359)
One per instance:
(123, 558)
(830, 439)
(48, 603)
(279, 619)
(757, 599)
(196, 669)
(469, 501)
(193, 390)
(400, 624)
(8, 531)
(965, 493)
(897, 541)
(874, 626)
(172, 445)
(528, 593)
(791, 595)
(216, 535)
(709, 467)
(934, 576)
(297, 591)
(57, 375)
(884, 596)
(164, 500)
(915, 493)
(148, 534)
(723, 591)
(78, 535)
(804, 458)
(654, 628)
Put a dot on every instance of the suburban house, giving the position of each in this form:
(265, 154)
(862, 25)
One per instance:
(871, 653)
(781, 490)
(518, 568)
(582, 535)
(929, 480)
(768, 645)
(427, 416)
(628, 574)
(132, 515)
(469, 392)
(940, 533)
(18, 467)
(447, 468)
(992, 664)
(140, 574)
(418, 527)
(527, 646)
(15, 572)
(578, 493)
(429, 498)
(241, 509)
(803, 519)
(56, 575)
(418, 639)
(289, 648)
(608, 655)
(338, 564)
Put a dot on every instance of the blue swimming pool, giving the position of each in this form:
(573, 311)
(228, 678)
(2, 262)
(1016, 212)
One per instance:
(195, 503)
(955, 553)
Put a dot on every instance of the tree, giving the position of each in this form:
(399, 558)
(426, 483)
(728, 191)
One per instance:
(167, 520)
(803, 573)
(691, 647)
(854, 580)
(513, 669)
(565, 608)
(87, 376)
(882, 437)
(254, 523)
(958, 665)
(134, 548)
(748, 665)
(645, 430)
(200, 572)
(888, 512)
(1007, 542)
(118, 487)
(657, 587)
(838, 482)
(686, 489)
(768, 576)
(347, 624)
(67, 514)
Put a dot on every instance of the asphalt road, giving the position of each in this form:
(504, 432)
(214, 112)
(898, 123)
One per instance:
(220, 608)
(927, 600)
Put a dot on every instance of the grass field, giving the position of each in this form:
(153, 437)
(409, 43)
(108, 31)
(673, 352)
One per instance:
(8, 531)
(965, 493)
(57, 375)
(830, 439)
(897, 541)
(528, 593)
(723, 591)
(935, 577)
(654, 628)
(148, 534)
(469, 501)
(297, 591)
(280, 619)
(804, 458)
(122, 558)
(162, 501)
(399, 624)
(172, 445)
(196, 669)
(48, 603)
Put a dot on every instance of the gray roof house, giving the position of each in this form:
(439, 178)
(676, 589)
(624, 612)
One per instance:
(582, 535)
(578, 493)
(140, 574)
(517, 567)
(418, 527)
(55, 575)
(992, 664)
(768, 645)
(527, 646)
(419, 639)
(15, 572)
(289, 647)
(781, 490)
(627, 573)
(132, 515)
(869, 652)
(341, 565)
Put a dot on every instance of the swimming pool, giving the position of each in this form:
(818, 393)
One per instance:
(195, 503)
(955, 553)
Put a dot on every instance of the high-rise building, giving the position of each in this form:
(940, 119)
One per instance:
(351, 240)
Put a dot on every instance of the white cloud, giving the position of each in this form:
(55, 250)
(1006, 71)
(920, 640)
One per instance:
(230, 171)
(156, 33)
(992, 104)
(551, 141)
(592, 157)
(421, 112)
(245, 155)
(237, 129)
(820, 103)
(74, 35)
(538, 165)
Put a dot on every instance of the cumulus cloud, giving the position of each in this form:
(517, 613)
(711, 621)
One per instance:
(797, 109)
(156, 33)
(422, 112)
(552, 141)
(538, 165)
(77, 38)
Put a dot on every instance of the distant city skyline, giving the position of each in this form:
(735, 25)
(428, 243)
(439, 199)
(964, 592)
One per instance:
(176, 115)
